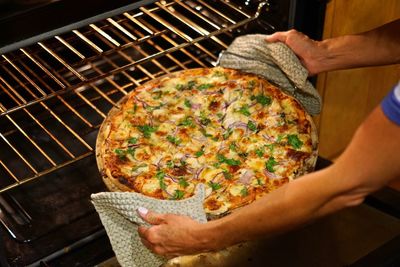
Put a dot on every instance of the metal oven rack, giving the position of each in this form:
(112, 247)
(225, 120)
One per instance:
(55, 93)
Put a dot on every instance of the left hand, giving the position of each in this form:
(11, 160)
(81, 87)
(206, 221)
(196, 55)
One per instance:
(171, 235)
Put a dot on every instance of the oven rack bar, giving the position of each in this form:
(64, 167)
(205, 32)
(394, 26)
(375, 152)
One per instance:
(55, 94)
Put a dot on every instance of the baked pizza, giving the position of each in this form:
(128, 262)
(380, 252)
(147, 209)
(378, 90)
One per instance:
(234, 132)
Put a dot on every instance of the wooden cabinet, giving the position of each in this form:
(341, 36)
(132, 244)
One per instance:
(350, 95)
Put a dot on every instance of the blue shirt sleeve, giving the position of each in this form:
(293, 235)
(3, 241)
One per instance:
(391, 105)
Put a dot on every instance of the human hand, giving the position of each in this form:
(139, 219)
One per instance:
(311, 53)
(172, 235)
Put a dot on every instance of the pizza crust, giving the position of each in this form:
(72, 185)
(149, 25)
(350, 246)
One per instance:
(113, 184)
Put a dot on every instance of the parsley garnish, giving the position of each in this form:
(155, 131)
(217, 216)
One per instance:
(232, 146)
(269, 165)
(244, 192)
(259, 152)
(244, 110)
(187, 121)
(147, 130)
(130, 151)
(170, 164)
(203, 118)
(187, 103)
(227, 133)
(132, 140)
(157, 95)
(178, 194)
(214, 186)
(174, 140)
(120, 153)
(294, 141)
(187, 86)
(183, 182)
(199, 153)
(231, 162)
(251, 84)
(262, 99)
(279, 139)
(160, 176)
(205, 86)
(252, 126)
(227, 174)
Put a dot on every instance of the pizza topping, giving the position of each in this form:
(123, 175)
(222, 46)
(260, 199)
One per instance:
(269, 165)
(214, 186)
(231, 162)
(174, 140)
(294, 141)
(244, 110)
(262, 99)
(178, 194)
(147, 130)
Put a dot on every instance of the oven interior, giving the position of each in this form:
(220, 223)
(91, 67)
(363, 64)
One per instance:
(54, 94)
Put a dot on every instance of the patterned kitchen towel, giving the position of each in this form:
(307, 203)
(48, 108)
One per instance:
(277, 63)
(118, 214)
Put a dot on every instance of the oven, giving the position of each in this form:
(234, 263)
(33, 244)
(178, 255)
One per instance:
(65, 63)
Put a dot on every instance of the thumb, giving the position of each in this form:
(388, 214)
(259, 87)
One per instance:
(149, 216)
(276, 37)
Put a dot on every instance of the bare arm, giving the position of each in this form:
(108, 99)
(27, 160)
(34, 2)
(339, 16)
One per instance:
(380, 46)
(368, 163)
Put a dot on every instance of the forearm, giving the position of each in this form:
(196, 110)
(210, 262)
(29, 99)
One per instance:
(369, 162)
(380, 46)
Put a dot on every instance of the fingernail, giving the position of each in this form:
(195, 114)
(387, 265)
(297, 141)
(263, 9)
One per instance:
(142, 210)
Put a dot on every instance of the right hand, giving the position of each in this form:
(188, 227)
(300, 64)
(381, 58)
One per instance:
(311, 53)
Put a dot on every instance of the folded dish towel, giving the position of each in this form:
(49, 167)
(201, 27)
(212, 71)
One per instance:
(277, 63)
(118, 214)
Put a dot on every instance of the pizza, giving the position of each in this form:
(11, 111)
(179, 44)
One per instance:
(234, 132)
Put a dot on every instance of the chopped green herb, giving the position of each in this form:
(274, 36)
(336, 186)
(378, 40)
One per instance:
(187, 103)
(262, 99)
(187, 121)
(218, 73)
(191, 84)
(270, 147)
(151, 108)
(227, 133)
(251, 84)
(244, 192)
(227, 174)
(132, 140)
(205, 133)
(269, 165)
(160, 176)
(216, 165)
(220, 115)
(130, 151)
(231, 162)
(259, 182)
(133, 111)
(259, 152)
(174, 140)
(120, 153)
(244, 110)
(147, 130)
(294, 141)
(183, 183)
(178, 194)
(215, 138)
(156, 95)
(170, 164)
(279, 139)
(205, 86)
(252, 126)
(199, 153)
(203, 118)
(180, 87)
(214, 186)
(233, 147)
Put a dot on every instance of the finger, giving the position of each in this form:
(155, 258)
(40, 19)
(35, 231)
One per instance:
(149, 216)
(277, 37)
(147, 244)
(142, 231)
